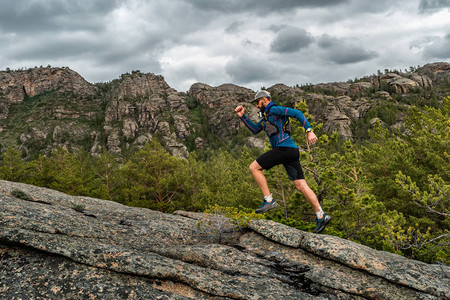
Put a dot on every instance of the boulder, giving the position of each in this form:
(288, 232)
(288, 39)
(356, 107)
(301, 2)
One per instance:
(170, 141)
(422, 80)
(359, 87)
(142, 140)
(130, 128)
(113, 143)
(336, 88)
(199, 143)
(53, 245)
(181, 124)
(439, 72)
(403, 85)
(255, 142)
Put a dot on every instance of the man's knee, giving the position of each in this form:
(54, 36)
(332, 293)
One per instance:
(301, 185)
(254, 166)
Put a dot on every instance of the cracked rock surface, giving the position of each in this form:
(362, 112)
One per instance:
(56, 246)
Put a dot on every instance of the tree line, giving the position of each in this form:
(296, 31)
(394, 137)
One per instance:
(389, 192)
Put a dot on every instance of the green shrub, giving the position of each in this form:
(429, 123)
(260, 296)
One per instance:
(21, 195)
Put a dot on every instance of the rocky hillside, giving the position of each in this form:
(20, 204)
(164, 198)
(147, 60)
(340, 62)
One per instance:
(55, 246)
(43, 108)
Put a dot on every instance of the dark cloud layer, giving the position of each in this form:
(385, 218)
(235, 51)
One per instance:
(291, 40)
(50, 15)
(438, 49)
(263, 6)
(430, 6)
(250, 43)
(62, 48)
(350, 54)
(343, 51)
(248, 69)
(326, 41)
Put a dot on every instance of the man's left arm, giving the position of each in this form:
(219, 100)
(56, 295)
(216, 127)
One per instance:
(295, 113)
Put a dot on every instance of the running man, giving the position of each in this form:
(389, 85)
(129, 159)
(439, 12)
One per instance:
(275, 122)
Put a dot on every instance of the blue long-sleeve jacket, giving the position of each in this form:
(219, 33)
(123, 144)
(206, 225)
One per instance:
(278, 116)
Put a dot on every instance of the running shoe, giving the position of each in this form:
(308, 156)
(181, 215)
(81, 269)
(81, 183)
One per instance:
(266, 206)
(321, 223)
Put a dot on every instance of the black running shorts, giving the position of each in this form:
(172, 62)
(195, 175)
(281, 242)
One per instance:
(287, 156)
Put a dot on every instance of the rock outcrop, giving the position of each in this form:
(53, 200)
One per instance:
(55, 246)
(34, 120)
(15, 85)
(337, 113)
(45, 108)
(137, 105)
(221, 96)
(402, 84)
(220, 102)
(120, 116)
(439, 72)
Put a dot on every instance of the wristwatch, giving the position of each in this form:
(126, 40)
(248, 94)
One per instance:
(309, 129)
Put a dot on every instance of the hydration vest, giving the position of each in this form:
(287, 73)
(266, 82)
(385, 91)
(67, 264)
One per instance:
(271, 129)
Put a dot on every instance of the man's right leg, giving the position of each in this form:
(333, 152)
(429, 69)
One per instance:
(257, 172)
(268, 203)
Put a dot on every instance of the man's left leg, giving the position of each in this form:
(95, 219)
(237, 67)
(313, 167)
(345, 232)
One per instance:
(295, 173)
(308, 193)
(322, 218)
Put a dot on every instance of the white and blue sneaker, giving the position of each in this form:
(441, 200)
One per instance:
(266, 206)
(321, 223)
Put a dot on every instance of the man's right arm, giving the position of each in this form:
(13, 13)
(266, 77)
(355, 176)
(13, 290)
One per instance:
(254, 128)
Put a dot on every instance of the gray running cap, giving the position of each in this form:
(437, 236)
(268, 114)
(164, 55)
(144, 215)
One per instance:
(261, 94)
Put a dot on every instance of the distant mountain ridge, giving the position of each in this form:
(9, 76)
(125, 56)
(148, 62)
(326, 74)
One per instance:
(44, 108)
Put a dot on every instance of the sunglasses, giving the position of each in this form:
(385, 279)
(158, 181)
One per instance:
(257, 100)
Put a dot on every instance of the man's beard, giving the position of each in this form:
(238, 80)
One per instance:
(262, 109)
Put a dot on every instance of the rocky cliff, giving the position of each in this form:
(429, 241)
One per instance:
(139, 106)
(43, 108)
(55, 246)
(16, 85)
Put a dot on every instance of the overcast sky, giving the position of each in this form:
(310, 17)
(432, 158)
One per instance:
(251, 43)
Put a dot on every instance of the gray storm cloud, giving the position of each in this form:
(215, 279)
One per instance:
(430, 6)
(248, 43)
(343, 51)
(439, 48)
(291, 40)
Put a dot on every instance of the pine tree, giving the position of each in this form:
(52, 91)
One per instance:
(153, 178)
(106, 170)
(12, 167)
